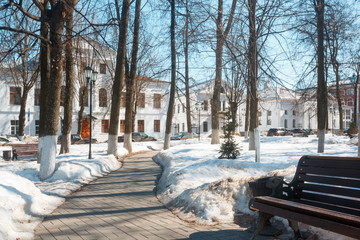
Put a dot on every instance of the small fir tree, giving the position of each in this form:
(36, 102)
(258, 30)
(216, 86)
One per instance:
(229, 148)
(352, 128)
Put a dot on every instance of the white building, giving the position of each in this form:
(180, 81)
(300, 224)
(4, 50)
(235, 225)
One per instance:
(152, 100)
(200, 97)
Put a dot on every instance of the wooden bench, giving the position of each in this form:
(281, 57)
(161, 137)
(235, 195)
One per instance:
(324, 193)
(24, 149)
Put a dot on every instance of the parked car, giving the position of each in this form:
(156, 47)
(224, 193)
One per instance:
(297, 132)
(138, 137)
(277, 132)
(76, 139)
(3, 140)
(182, 136)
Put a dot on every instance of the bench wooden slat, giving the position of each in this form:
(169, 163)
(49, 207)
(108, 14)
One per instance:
(311, 210)
(331, 162)
(329, 180)
(333, 207)
(344, 229)
(355, 193)
(349, 203)
(344, 172)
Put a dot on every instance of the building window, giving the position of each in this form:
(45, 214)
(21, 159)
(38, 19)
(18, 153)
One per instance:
(37, 97)
(14, 127)
(157, 100)
(15, 95)
(178, 108)
(350, 91)
(224, 106)
(102, 97)
(183, 108)
(206, 105)
(62, 96)
(268, 122)
(285, 112)
(141, 100)
(294, 123)
(105, 126)
(205, 127)
(102, 68)
(122, 126)
(183, 127)
(83, 96)
(122, 99)
(37, 127)
(285, 123)
(156, 125)
(294, 113)
(141, 126)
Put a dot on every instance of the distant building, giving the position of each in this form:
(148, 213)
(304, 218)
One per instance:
(151, 107)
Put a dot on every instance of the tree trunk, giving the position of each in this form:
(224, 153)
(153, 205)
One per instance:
(215, 101)
(23, 113)
(119, 77)
(170, 111)
(44, 73)
(253, 75)
(130, 83)
(338, 97)
(220, 38)
(187, 85)
(247, 113)
(69, 88)
(44, 69)
(82, 108)
(47, 142)
(321, 83)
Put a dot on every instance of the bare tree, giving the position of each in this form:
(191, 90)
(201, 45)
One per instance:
(170, 111)
(119, 75)
(319, 6)
(69, 88)
(338, 21)
(221, 34)
(130, 81)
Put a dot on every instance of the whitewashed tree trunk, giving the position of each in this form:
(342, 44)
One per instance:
(128, 142)
(47, 155)
(321, 140)
(215, 136)
(112, 145)
(257, 145)
(359, 142)
(167, 141)
(251, 140)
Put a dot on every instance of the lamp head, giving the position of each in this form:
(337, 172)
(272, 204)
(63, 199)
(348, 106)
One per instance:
(87, 72)
(94, 75)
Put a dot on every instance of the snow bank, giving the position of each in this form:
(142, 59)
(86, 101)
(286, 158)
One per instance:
(25, 200)
(197, 186)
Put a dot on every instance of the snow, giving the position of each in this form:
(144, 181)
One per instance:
(195, 184)
(25, 199)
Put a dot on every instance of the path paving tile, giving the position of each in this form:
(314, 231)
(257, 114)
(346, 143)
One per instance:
(122, 205)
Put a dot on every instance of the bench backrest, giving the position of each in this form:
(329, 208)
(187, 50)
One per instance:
(330, 182)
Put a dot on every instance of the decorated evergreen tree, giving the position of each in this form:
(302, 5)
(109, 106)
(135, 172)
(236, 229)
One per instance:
(229, 148)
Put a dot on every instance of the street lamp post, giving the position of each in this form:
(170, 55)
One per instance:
(90, 76)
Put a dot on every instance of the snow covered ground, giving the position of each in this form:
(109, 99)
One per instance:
(195, 184)
(25, 200)
(199, 187)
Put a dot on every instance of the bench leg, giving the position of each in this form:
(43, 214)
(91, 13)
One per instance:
(295, 226)
(263, 218)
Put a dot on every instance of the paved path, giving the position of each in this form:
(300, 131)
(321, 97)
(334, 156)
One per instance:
(123, 206)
